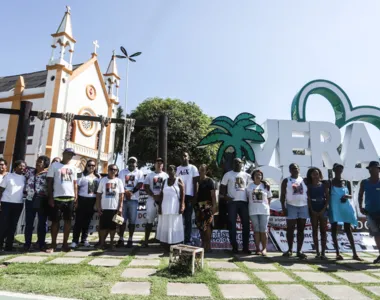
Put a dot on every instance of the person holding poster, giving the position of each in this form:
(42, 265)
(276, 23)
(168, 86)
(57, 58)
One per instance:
(259, 197)
(371, 188)
(294, 195)
(341, 210)
(318, 199)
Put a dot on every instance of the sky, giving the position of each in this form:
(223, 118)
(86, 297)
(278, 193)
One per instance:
(226, 56)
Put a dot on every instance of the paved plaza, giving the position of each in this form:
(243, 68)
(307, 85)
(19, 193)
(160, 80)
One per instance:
(141, 273)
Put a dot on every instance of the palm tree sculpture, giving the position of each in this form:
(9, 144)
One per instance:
(236, 134)
(129, 58)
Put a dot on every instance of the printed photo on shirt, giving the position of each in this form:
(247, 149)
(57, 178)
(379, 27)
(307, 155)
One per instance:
(66, 175)
(92, 187)
(239, 183)
(157, 182)
(257, 195)
(129, 181)
(297, 188)
(110, 190)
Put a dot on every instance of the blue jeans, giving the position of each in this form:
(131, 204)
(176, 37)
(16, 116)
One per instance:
(240, 208)
(130, 211)
(187, 214)
(30, 215)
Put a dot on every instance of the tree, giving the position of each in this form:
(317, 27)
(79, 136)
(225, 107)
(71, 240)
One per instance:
(118, 142)
(187, 125)
(234, 134)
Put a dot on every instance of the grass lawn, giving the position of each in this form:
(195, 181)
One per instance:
(83, 281)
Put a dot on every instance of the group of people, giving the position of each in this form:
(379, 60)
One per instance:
(54, 191)
(301, 198)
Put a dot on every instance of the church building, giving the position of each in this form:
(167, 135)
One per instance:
(63, 87)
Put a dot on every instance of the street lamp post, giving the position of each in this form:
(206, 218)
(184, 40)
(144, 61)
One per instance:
(129, 58)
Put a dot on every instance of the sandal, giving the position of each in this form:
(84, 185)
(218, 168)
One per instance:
(377, 260)
(339, 257)
(287, 253)
(301, 255)
(357, 258)
(318, 255)
(323, 257)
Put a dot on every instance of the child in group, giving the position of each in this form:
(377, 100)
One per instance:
(318, 196)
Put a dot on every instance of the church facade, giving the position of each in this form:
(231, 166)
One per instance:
(63, 87)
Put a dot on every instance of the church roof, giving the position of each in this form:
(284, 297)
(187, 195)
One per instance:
(32, 80)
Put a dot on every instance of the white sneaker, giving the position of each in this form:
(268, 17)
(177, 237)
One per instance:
(73, 245)
(86, 244)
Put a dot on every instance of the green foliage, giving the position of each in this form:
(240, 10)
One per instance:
(187, 125)
(234, 134)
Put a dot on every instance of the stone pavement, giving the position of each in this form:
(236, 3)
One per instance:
(225, 276)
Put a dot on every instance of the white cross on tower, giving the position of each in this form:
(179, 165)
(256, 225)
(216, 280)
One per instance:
(96, 45)
(68, 9)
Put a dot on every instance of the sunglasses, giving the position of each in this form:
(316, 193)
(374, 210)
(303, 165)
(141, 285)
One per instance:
(90, 165)
(113, 169)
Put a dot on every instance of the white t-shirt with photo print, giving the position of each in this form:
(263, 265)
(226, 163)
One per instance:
(131, 180)
(64, 178)
(258, 196)
(187, 173)
(13, 185)
(110, 190)
(87, 186)
(155, 181)
(236, 183)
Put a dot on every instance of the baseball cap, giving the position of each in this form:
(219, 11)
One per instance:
(373, 164)
(69, 150)
(132, 158)
(159, 159)
(336, 165)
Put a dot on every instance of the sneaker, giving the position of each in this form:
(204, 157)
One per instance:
(86, 244)
(120, 243)
(301, 255)
(73, 245)
(129, 244)
(377, 260)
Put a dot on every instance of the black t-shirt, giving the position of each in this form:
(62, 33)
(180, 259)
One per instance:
(204, 190)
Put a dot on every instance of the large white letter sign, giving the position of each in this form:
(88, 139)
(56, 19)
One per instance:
(357, 146)
(264, 153)
(325, 139)
(293, 136)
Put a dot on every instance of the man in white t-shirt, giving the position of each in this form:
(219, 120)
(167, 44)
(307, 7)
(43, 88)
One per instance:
(133, 180)
(12, 203)
(190, 176)
(62, 194)
(232, 189)
(3, 168)
(153, 185)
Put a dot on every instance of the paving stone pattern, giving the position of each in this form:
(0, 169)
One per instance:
(188, 289)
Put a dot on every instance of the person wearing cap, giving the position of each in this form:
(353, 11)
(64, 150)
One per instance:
(341, 210)
(370, 188)
(233, 190)
(133, 180)
(295, 207)
(190, 177)
(62, 195)
(153, 186)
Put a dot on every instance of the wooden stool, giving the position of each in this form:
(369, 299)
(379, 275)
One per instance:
(181, 254)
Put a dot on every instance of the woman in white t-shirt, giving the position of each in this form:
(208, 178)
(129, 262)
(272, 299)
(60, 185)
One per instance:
(259, 197)
(87, 187)
(12, 203)
(109, 202)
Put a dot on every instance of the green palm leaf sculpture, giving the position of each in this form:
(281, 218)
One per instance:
(235, 133)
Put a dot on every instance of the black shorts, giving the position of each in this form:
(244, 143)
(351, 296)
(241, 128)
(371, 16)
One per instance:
(62, 210)
(105, 220)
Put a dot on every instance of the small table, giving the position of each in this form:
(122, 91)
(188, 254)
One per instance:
(180, 253)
